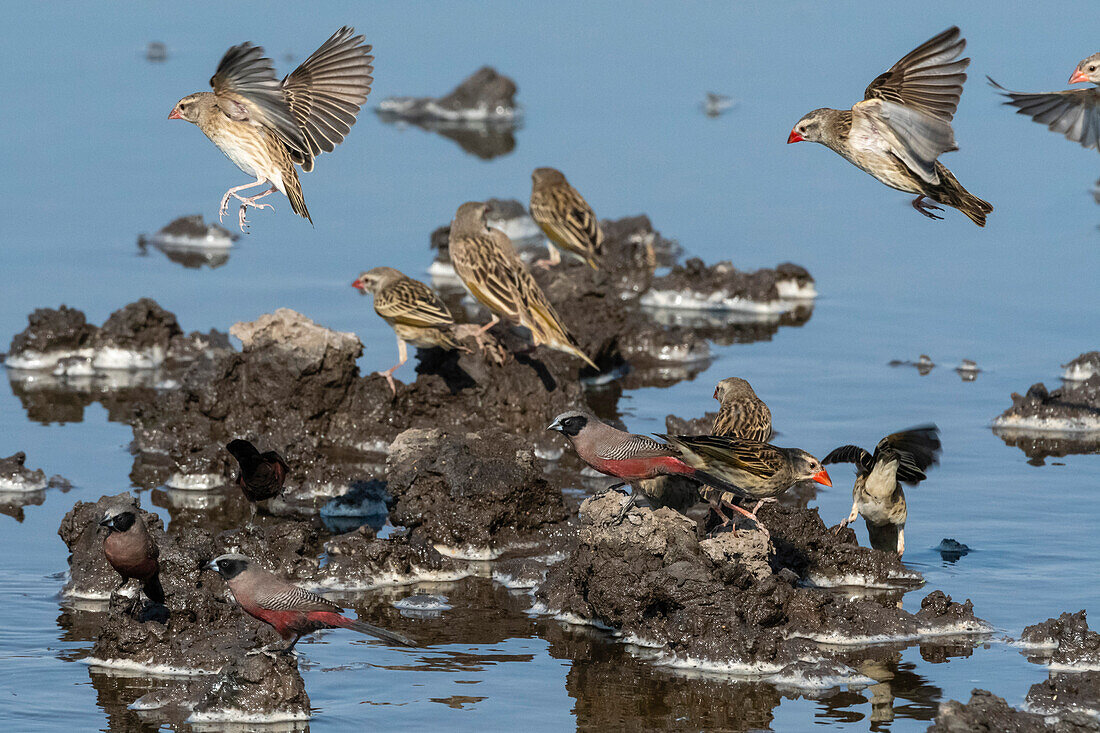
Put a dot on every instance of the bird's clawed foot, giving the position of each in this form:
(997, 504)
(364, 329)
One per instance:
(272, 651)
(544, 264)
(926, 208)
(242, 221)
(627, 506)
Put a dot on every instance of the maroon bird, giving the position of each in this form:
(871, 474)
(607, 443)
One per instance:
(262, 475)
(290, 610)
(737, 468)
(131, 551)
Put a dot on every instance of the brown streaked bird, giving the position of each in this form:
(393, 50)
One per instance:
(290, 610)
(415, 313)
(903, 125)
(266, 126)
(742, 414)
(877, 496)
(1074, 113)
(131, 551)
(565, 217)
(486, 261)
(261, 475)
(729, 468)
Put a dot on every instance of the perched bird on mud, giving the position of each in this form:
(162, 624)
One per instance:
(903, 125)
(1074, 113)
(486, 261)
(131, 551)
(877, 495)
(261, 475)
(413, 310)
(742, 414)
(728, 467)
(290, 610)
(565, 217)
(266, 126)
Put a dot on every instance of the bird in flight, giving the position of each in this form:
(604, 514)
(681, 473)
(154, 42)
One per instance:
(1074, 112)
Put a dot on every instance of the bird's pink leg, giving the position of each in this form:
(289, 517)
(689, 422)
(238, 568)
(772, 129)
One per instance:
(555, 257)
(403, 354)
(750, 515)
(251, 201)
(233, 192)
(926, 208)
(490, 324)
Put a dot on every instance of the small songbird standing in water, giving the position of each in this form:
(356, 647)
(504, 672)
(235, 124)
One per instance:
(565, 217)
(266, 126)
(131, 551)
(903, 125)
(290, 610)
(1075, 112)
(486, 261)
(262, 475)
(417, 315)
(877, 495)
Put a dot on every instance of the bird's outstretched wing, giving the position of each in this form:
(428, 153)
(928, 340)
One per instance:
(412, 303)
(247, 91)
(928, 79)
(325, 93)
(917, 449)
(851, 454)
(1074, 113)
(915, 137)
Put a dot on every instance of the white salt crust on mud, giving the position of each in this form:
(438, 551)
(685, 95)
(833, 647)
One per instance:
(195, 481)
(110, 357)
(123, 666)
(234, 715)
(794, 290)
(716, 301)
(831, 674)
(22, 485)
(213, 239)
(107, 358)
(538, 608)
(470, 553)
(962, 628)
(1083, 424)
(1052, 715)
(391, 580)
(33, 361)
(863, 581)
(1079, 372)
(511, 582)
(423, 603)
(481, 113)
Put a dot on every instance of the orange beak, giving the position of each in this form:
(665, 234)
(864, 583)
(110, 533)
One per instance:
(175, 114)
(822, 477)
(794, 137)
(1078, 76)
(357, 285)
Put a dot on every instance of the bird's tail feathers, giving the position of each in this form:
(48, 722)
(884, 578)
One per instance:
(378, 632)
(547, 328)
(951, 193)
(154, 590)
(294, 193)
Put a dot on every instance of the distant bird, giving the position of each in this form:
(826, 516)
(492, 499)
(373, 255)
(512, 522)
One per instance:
(730, 467)
(877, 496)
(266, 126)
(486, 261)
(565, 217)
(715, 104)
(413, 310)
(742, 414)
(131, 551)
(261, 475)
(1074, 113)
(290, 610)
(903, 125)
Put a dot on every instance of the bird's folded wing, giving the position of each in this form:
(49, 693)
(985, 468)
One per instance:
(712, 451)
(635, 446)
(294, 598)
(412, 303)
(1074, 113)
(927, 79)
(851, 454)
(916, 138)
(488, 272)
(248, 91)
(326, 91)
(544, 321)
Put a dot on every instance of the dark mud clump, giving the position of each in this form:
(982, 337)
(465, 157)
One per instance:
(1053, 423)
(987, 712)
(470, 490)
(724, 282)
(139, 326)
(359, 560)
(191, 242)
(15, 476)
(737, 600)
(51, 333)
(1073, 643)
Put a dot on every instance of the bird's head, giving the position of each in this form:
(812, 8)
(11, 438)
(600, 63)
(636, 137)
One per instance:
(547, 177)
(242, 449)
(187, 108)
(229, 566)
(1088, 70)
(470, 217)
(118, 519)
(570, 424)
(807, 467)
(371, 281)
(810, 128)
(732, 388)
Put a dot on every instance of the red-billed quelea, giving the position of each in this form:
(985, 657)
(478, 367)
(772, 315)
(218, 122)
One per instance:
(730, 467)
(1074, 113)
(877, 496)
(131, 550)
(290, 610)
(903, 125)
(266, 126)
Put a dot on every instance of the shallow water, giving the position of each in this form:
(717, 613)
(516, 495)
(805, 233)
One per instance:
(612, 98)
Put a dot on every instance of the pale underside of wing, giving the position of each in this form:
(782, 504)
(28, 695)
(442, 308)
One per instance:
(1074, 113)
(916, 138)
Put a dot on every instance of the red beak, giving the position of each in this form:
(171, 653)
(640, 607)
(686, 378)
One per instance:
(357, 285)
(794, 137)
(1078, 76)
(822, 478)
(175, 114)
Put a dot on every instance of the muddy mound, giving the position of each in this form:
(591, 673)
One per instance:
(15, 476)
(987, 712)
(1074, 407)
(695, 285)
(469, 490)
(1072, 643)
(49, 334)
(730, 601)
(357, 560)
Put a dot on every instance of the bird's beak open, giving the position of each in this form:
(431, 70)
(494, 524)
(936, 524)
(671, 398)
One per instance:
(1078, 76)
(822, 477)
(175, 114)
(794, 137)
(556, 425)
